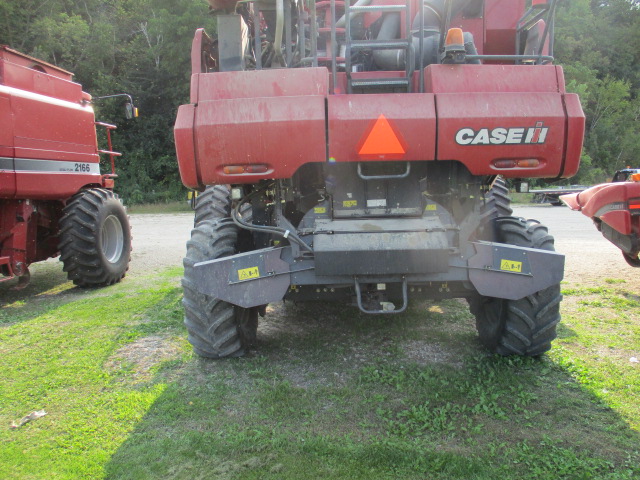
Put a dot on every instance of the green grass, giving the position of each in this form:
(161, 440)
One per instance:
(329, 393)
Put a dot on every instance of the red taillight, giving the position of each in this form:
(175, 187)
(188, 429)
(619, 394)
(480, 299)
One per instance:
(505, 163)
(634, 206)
(511, 163)
(256, 169)
(240, 169)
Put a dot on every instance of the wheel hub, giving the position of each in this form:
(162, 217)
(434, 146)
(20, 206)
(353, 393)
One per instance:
(112, 239)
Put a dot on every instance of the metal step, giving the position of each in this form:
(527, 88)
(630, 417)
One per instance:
(380, 82)
(379, 44)
(378, 8)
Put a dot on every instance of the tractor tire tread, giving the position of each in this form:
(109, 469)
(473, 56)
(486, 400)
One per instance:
(80, 242)
(526, 326)
(216, 329)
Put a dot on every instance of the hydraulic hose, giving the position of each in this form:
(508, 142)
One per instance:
(237, 219)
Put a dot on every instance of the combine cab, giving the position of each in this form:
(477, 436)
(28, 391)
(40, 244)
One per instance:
(53, 198)
(357, 153)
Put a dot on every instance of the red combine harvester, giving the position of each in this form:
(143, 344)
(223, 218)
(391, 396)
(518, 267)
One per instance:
(354, 153)
(53, 198)
(615, 210)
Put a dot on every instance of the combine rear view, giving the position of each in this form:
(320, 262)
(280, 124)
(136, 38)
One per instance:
(357, 153)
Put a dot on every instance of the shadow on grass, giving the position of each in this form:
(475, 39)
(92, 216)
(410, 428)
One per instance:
(331, 393)
(47, 289)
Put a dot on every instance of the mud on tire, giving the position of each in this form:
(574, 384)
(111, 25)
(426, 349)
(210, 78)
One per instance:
(526, 326)
(95, 238)
(216, 328)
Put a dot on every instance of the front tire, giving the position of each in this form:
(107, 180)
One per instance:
(95, 238)
(216, 328)
(526, 326)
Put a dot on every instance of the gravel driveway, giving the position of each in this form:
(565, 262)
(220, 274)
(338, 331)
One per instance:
(159, 242)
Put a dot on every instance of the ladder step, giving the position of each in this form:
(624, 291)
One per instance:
(327, 4)
(328, 59)
(380, 82)
(339, 31)
(378, 8)
(379, 44)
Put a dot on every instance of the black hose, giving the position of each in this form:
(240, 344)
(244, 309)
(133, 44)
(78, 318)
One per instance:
(237, 219)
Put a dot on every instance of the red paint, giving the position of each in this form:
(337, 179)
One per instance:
(47, 145)
(593, 200)
(413, 117)
(284, 118)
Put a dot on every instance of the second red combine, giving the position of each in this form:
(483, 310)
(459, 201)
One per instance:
(356, 153)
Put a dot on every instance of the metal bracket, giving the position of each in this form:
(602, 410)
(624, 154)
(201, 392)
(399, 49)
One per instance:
(383, 177)
(405, 299)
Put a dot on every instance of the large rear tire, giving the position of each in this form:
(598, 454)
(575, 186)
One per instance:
(216, 328)
(526, 326)
(95, 238)
(497, 202)
(212, 204)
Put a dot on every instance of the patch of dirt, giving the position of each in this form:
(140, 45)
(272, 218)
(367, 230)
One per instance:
(142, 355)
(425, 353)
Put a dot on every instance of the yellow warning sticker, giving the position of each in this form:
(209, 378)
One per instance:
(510, 266)
(320, 210)
(350, 203)
(431, 207)
(247, 273)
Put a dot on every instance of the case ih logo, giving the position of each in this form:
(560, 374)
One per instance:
(502, 136)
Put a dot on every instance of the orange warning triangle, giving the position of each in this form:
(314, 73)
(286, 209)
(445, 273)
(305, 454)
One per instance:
(382, 141)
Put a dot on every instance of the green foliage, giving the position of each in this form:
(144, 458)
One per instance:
(598, 43)
(141, 47)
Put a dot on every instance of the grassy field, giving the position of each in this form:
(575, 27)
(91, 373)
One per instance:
(329, 393)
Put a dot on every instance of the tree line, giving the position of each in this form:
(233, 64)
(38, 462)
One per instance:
(142, 47)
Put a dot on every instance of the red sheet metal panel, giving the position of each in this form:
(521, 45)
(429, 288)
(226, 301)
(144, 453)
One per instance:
(282, 133)
(185, 148)
(262, 83)
(575, 134)
(480, 129)
(500, 21)
(52, 129)
(7, 174)
(47, 83)
(271, 118)
(607, 201)
(49, 185)
(492, 78)
(353, 118)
